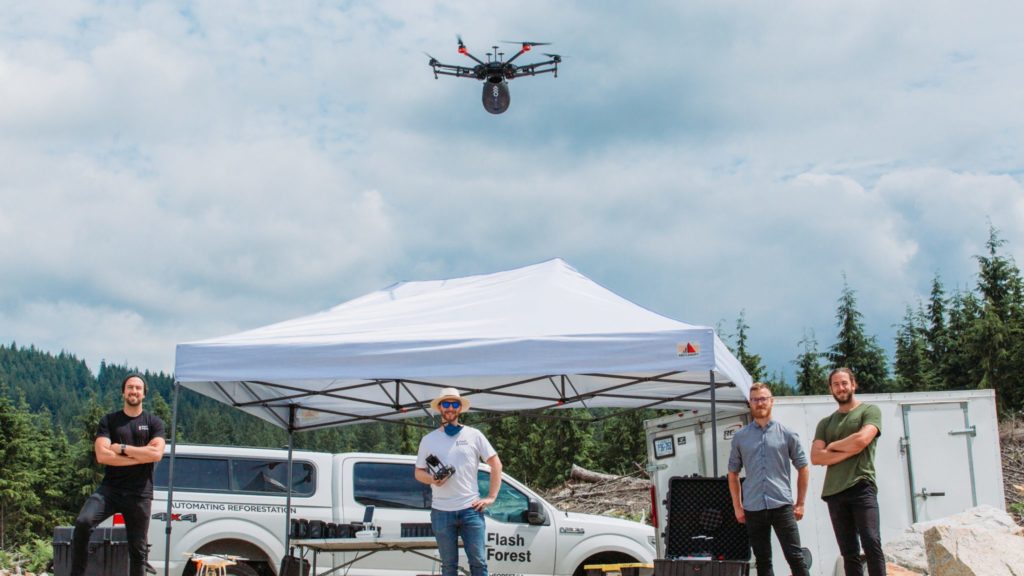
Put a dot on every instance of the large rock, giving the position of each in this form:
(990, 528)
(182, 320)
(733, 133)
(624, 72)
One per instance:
(908, 549)
(973, 551)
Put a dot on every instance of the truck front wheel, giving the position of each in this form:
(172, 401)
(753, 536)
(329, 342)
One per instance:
(604, 558)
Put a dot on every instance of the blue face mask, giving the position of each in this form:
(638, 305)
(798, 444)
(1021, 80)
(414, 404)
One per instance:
(452, 429)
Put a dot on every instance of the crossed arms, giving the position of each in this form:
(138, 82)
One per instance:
(109, 454)
(836, 452)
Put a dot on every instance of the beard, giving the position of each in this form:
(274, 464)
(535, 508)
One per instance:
(843, 398)
(132, 400)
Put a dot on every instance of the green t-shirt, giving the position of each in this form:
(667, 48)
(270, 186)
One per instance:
(845, 474)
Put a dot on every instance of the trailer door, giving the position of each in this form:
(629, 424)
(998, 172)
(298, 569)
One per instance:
(937, 441)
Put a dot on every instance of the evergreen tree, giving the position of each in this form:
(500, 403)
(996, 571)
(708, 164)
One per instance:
(558, 444)
(510, 436)
(19, 473)
(961, 367)
(854, 349)
(750, 361)
(998, 333)
(777, 384)
(912, 367)
(624, 443)
(88, 472)
(810, 374)
(936, 334)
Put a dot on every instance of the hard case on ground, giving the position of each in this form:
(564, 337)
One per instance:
(293, 566)
(701, 522)
(689, 567)
(108, 551)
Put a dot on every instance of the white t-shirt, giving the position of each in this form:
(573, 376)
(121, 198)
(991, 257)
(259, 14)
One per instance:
(463, 451)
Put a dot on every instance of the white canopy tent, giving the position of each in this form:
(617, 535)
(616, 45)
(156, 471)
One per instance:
(543, 336)
(525, 340)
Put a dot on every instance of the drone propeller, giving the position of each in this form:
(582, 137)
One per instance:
(432, 59)
(555, 57)
(527, 45)
(462, 47)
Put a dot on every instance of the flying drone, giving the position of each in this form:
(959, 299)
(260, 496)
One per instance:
(495, 72)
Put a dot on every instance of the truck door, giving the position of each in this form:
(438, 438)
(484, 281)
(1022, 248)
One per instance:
(398, 498)
(514, 546)
(937, 441)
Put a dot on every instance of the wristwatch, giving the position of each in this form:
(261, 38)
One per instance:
(122, 450)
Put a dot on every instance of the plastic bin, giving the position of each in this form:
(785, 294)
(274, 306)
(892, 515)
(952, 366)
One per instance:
(108, 551)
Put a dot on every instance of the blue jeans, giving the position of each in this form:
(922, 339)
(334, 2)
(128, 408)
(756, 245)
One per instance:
(854, 514)
(469, 524)
(760, 524)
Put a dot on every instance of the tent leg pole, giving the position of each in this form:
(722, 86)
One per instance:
(288, 499)
(170, 480)
(714, 425)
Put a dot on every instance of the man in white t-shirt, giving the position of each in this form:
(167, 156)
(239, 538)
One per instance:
(457, 508)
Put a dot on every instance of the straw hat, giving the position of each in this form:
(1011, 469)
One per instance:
(449, 394)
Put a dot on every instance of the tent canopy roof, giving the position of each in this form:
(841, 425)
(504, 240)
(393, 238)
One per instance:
(538, 337)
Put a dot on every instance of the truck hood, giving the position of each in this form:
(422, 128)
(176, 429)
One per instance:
(608, 523)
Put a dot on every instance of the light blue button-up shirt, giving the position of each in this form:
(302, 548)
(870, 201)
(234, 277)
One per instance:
(767, 454)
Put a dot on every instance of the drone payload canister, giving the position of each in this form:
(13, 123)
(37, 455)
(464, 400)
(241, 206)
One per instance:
(495, 72)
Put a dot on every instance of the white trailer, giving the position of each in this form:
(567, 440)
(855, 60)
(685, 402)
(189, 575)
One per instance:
(938, 455)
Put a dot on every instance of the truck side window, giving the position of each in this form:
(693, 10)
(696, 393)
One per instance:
(271, 476)
(510, 505)
(387, 485)
(259, 476)
(198, 474)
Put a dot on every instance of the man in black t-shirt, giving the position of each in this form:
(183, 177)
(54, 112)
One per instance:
(128, 442)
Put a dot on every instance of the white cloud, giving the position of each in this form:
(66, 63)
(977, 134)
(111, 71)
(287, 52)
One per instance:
(181, 171)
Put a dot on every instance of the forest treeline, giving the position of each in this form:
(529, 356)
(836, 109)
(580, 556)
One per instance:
(50, 404)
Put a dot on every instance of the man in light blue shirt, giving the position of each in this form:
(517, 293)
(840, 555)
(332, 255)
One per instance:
(767, 449)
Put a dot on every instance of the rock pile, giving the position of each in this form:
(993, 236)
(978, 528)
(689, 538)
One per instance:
(982, 541)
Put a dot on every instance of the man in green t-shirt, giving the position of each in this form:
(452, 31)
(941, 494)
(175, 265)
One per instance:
(845, 442)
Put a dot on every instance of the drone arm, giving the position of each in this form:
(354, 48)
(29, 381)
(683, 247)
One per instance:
(538, 68)
(449, 70)
(475, 59)
(518, 54)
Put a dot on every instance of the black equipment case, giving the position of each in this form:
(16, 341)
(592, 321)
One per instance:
(685, 567)
(108, 551)
(701, 523)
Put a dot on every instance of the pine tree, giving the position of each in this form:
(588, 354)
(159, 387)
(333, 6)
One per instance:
(624, 443)
(19, 473)
(810, 374)
(998, 334)
(961, 367)
(854, 349)
(913, 373)
(750, 361)
(936, 334)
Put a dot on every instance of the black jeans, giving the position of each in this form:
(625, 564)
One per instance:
(759, 529)
(103, 503)
(854, 514)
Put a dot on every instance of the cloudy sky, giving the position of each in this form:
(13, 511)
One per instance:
(174, 171)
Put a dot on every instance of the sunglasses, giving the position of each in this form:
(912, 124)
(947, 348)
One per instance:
(451, 404)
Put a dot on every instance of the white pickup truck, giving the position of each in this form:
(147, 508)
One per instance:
(230, 500)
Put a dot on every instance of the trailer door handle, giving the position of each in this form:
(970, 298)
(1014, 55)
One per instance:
(969, 431)
(924, 494)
